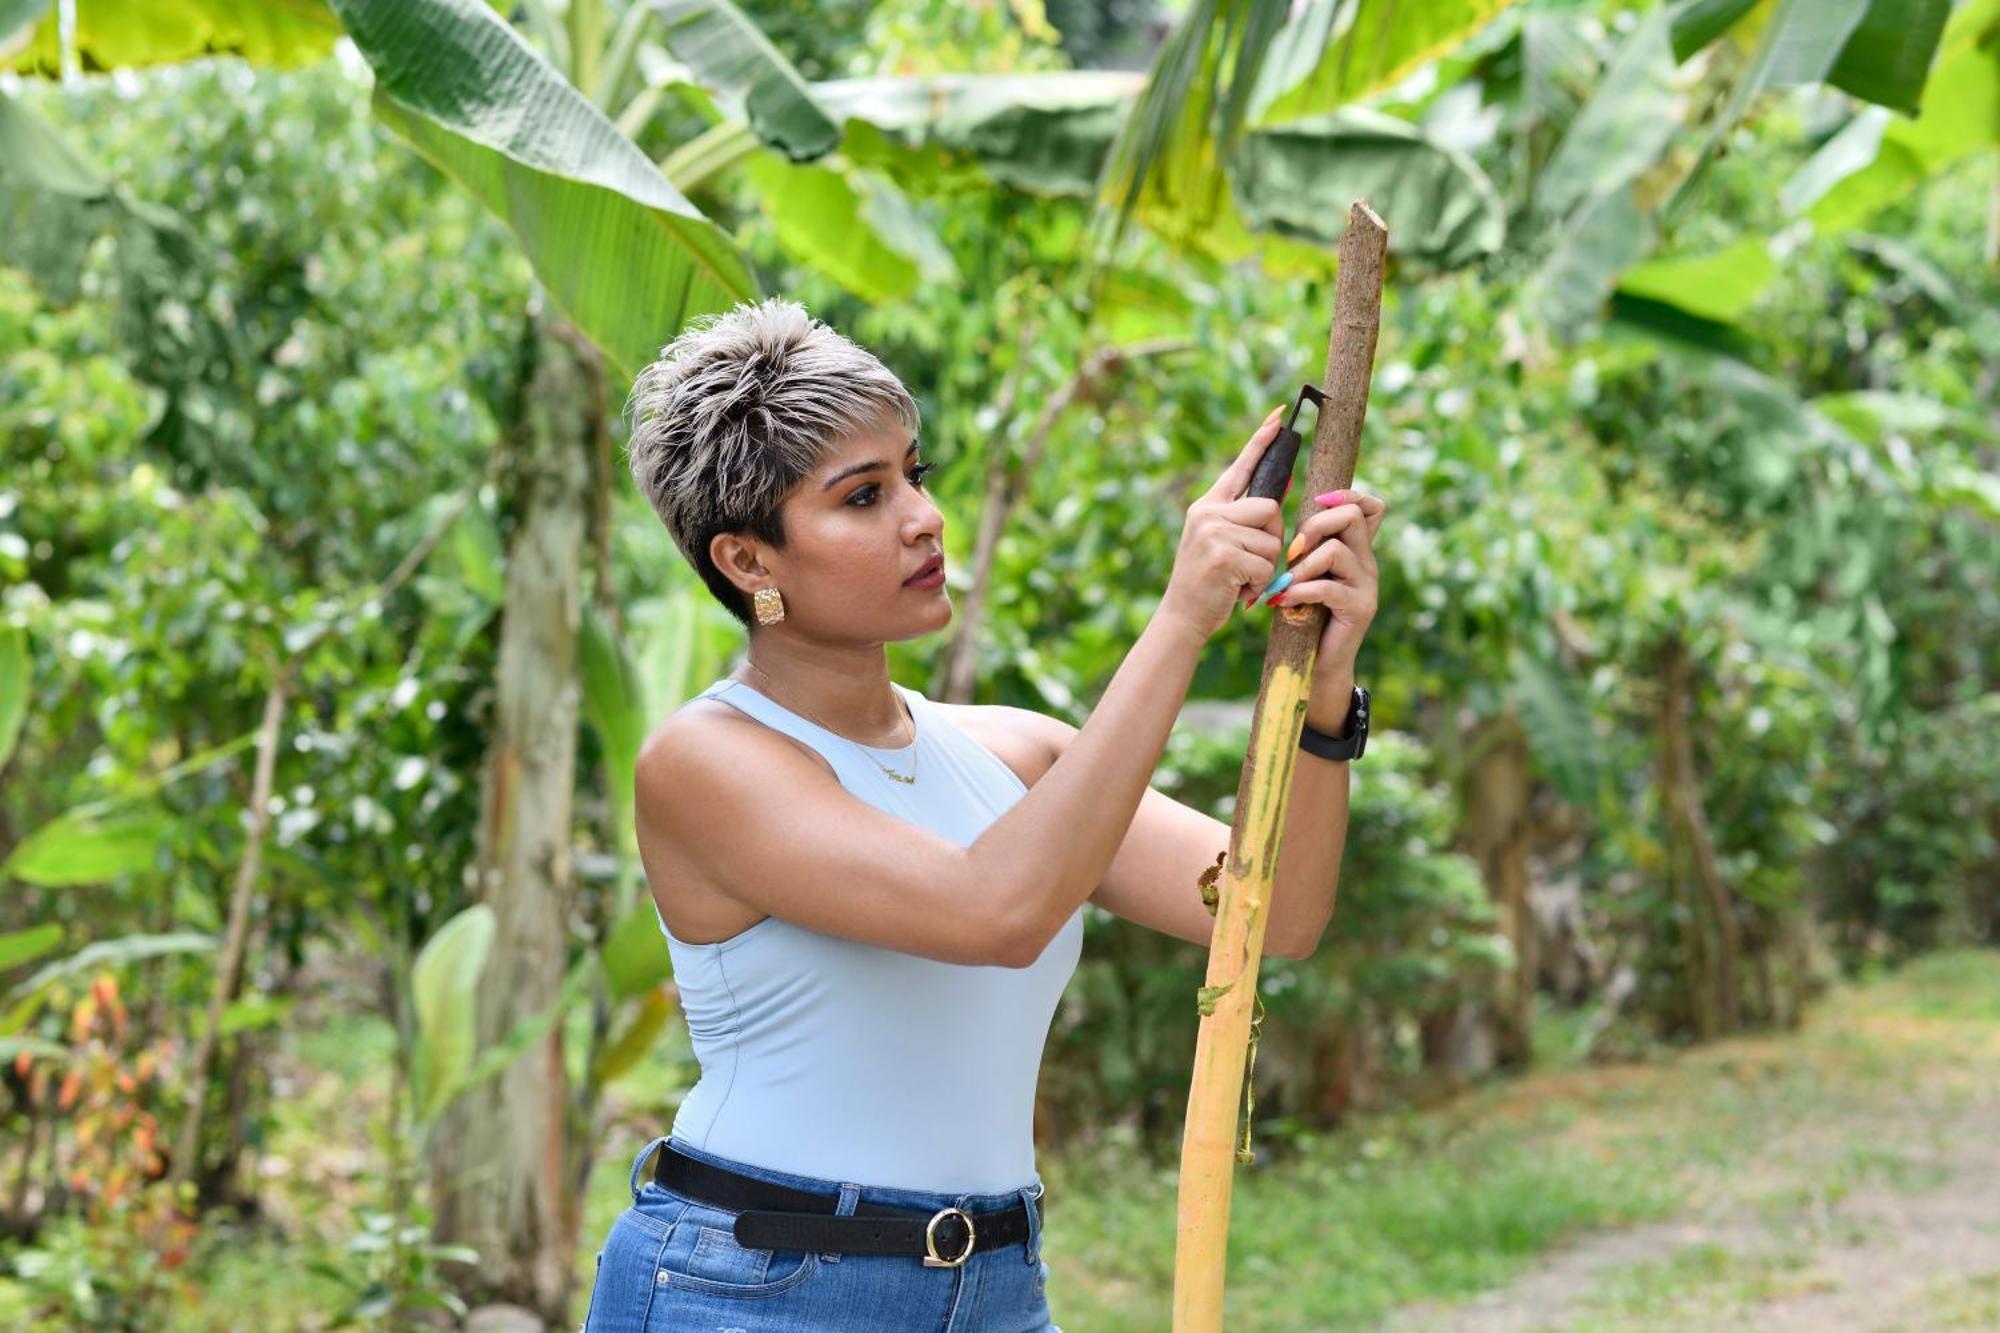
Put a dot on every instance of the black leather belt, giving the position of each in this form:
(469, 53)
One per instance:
(777, 1217)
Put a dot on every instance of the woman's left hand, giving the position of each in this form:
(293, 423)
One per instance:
(1332, 562)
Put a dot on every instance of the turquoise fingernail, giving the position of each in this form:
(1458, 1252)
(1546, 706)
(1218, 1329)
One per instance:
(1278, 585)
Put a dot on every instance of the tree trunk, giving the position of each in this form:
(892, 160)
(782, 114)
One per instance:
(1714, 942)
(504, 1156)
(1495, 829)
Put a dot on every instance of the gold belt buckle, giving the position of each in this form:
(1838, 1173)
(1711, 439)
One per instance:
(932, 1260)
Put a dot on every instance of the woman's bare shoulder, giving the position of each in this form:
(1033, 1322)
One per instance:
(711, 722)
(695, 910)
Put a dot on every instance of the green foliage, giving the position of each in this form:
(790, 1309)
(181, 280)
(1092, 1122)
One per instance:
(123, 34)
(23, 946)
(597, 219)
(730, 56)
(122, 1261)
(258, 355)
(444, 993)
(1322, 63)
(1413, 934)
(14, 668)
(391, 1267)
(1877, 158)
(76, 849)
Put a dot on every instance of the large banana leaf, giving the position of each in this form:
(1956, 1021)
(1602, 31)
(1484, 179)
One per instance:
(1229, 62)
(1719, 286)
(1621, 130)
(1298, 180)
(1696, 23)
(1878, 158)
(122, 34)
(1876, 49)
(1319, 65)
(625, 255)
(1041, 133)
(1889, 53)
(1051, 133)
(1597, 242)
(855, 227)
(729, 55)
(1168, 152)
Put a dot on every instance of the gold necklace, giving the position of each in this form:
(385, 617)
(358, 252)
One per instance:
(912, 776)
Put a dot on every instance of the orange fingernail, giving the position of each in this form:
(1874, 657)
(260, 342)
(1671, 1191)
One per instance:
(1292, 551)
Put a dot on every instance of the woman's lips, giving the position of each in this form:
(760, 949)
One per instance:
(930, 580)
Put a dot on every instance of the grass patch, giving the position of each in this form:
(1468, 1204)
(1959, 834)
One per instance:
(1693, 1285)
(1430, 1209)
(1962, 1302)
(1345, 1231)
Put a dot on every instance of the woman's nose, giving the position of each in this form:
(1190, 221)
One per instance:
(929, 518)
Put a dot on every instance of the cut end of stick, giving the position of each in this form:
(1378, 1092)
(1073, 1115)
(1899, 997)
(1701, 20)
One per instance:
(1361, 215)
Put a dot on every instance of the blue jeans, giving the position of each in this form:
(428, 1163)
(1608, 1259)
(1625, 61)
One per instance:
(672, 1263)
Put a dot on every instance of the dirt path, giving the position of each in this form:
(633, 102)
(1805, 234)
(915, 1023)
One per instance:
(1848, 1179)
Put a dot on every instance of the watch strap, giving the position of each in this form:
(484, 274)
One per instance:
(1353, 740)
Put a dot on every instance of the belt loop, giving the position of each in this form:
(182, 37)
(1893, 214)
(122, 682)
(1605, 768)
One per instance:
(1032, 1251)
(639, 1164)
(849, 1204)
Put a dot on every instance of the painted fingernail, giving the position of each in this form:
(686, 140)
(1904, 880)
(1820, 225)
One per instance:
(1277, 585)
(1298, 545)
(1330, 499)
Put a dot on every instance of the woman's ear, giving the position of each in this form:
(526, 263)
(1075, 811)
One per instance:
(738, 559)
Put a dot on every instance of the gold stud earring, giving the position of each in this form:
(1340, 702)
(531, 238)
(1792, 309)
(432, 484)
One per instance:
(770, 606)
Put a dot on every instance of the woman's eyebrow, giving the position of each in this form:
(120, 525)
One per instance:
(874, 465)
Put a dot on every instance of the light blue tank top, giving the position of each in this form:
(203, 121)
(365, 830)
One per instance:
(824, 1056)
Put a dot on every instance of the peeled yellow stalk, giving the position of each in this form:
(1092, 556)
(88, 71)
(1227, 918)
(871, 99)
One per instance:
(1209, 1150)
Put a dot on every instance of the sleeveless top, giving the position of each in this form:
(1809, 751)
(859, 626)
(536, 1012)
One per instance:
(824, 1056)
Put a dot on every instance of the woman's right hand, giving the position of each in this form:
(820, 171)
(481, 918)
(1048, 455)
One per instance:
(1229, 545)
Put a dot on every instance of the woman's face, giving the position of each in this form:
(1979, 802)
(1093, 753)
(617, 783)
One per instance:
(856, 530)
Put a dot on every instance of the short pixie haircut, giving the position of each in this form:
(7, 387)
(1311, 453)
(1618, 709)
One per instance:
(737, 411)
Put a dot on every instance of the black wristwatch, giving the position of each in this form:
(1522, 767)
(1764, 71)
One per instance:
(1353, 738)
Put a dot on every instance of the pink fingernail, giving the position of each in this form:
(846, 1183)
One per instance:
(1330, 499)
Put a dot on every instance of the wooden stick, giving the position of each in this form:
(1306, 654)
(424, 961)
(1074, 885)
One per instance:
(1208, 1147)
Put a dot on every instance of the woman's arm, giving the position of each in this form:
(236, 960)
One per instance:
(1158, 860)
(1052, 848)
(1153, 881)
(1315, 830)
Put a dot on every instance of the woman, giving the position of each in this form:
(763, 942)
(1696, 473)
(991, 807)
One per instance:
(872, 901)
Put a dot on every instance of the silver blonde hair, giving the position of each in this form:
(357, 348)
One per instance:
(737, 411)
